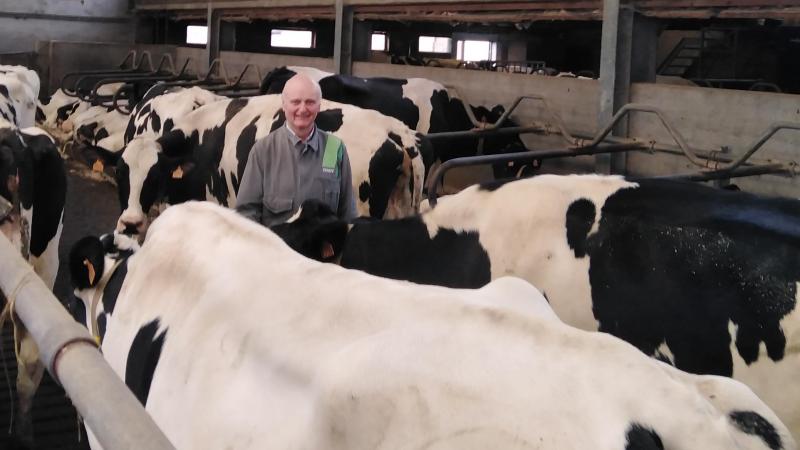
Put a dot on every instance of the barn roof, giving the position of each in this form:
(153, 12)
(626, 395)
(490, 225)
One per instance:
(466, 11)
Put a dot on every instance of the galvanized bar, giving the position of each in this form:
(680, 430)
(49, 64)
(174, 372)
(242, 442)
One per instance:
(766, 169)
(435, 179)
(112, 412)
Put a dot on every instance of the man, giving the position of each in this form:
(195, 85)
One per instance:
(296, 162)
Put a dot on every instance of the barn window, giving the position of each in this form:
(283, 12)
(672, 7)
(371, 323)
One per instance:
(476, 50)
(197, 34)
(431, 44)
(292, 38)
(379, 42)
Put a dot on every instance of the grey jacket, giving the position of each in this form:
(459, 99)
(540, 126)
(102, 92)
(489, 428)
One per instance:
(282, 172)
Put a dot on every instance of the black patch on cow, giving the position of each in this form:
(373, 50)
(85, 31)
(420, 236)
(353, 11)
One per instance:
(155, 122)
(145, 109)
(234, 107)
(143, 359)
(330, 120)
(275, 80)
(101, 325)
(384, 170)
(129, 130)
(752, 423)
(77, 309)
(243, 146)
(278, 120)
(494, 184)
(641, 438)
(85, 133)
(396, 138)
(168, 125)
(4, 91)
(403, 250)
(49, 183)
(114, 285)
(675, 262)
(100, 135)
(580, 217)
(364, 191)
(63, 112)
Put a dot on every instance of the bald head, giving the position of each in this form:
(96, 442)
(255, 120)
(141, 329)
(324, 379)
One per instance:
(301, 98)
(301, 85)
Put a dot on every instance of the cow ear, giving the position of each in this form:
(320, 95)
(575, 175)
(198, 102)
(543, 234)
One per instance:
(328, 240)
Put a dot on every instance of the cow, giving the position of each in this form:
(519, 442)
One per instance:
(162, 105)
(56, 113)
(230, 339)
(33, 187)
(19, 89)
(422, 104)
(99, 135)
(703, 278)
(204, 155)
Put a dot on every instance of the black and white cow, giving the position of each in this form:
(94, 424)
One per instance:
(424, 105)
(162, 105)
(19, 89)
(705, 278)
(33, 187)
(204, 155)
(259, 347)
(58, 109)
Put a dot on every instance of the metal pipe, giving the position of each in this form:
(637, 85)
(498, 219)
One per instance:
(483, 132)
(115, 416)
(766, 169)
(435, 178)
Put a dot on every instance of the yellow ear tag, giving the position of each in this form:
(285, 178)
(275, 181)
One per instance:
(98, 166)
(177, 173)
(89, 267)
(97, 339)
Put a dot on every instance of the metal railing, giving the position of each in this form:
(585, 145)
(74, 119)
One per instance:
(68, 352)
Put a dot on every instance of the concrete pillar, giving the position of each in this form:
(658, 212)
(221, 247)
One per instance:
(628, 55)
(343, 39)
(213, 23)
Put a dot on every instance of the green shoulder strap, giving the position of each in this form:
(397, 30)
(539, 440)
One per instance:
(333, 154)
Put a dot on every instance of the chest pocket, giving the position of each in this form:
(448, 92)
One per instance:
(278, 205)
(328, 185)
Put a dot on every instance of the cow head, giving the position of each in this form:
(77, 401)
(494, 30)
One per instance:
(315, 232)
(92, 262)
(146, 176)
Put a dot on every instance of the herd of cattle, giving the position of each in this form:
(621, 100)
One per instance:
(425, 328)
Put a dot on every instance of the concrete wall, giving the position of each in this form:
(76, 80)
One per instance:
(24, 22)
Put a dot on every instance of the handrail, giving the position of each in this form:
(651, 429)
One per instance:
(131, 55)
(435, 179)
(113, 413)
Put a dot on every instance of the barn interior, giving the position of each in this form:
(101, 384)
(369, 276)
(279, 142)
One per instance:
(711, 87)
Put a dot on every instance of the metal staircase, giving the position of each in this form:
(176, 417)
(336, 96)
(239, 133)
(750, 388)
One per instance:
(690, 52)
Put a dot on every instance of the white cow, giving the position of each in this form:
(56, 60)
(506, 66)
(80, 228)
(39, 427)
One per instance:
(232, 340)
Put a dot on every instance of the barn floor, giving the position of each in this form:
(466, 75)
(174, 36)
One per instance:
(92, 208)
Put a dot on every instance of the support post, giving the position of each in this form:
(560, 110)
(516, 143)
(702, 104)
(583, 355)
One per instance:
(213, 20)
(343, 39)
(628, 54)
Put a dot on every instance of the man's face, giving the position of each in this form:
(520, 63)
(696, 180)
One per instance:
(301, 104)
